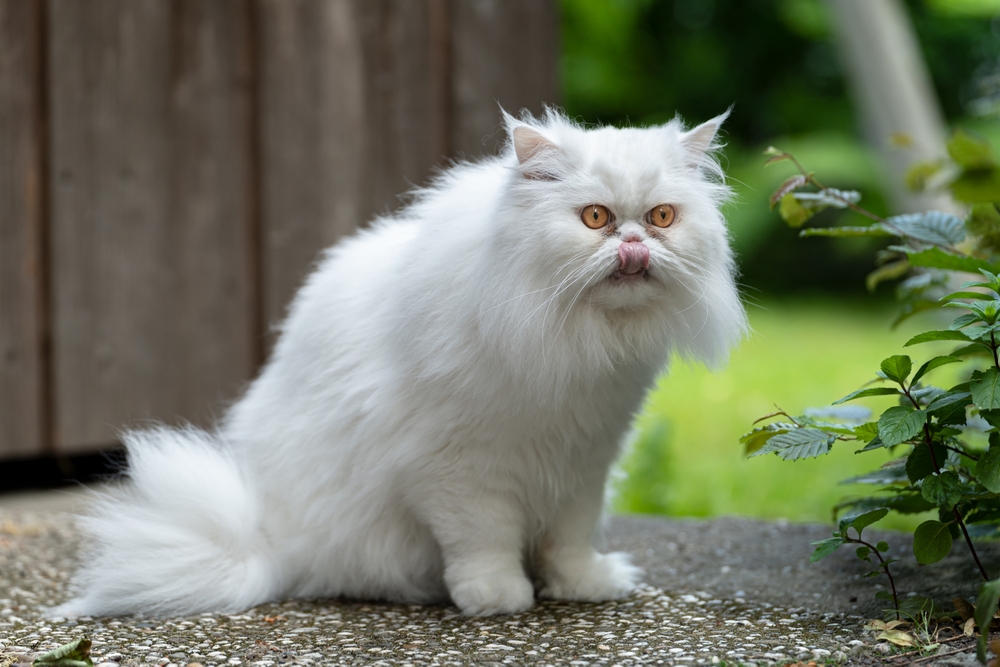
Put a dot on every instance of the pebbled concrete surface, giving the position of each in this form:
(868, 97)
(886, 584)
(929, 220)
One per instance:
(733, 590)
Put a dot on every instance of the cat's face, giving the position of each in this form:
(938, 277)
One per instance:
(624, 218)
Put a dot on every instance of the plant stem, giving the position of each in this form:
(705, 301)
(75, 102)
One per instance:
(884, 566)
(929, 441)
(968, 540)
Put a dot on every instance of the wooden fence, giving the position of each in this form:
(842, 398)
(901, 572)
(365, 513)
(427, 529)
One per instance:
(169, 169)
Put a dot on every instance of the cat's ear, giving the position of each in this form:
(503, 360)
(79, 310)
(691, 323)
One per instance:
(535, 153)
(700, 140)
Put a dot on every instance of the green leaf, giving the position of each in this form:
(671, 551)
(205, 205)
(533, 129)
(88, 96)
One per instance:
(978, 296)
(861, 521)
(977, 187)
(988, 468)
(870, 230)
(931, 542)
(756, 438)
(936, 362)
(986, 607)
(802, 443)
(882, 546)
(984, 310)
(874, 443)
(870, 391)
(864, 553)
(936, 258)
(74, 654)
(944, 490)
(985, 389)
(879, 477)
(948, 398)
(984, 223)
(791, 184)
(825, 547)
(917, 175)
(899, 424)
(963, 321)
(920, 464)
(889, 271)
(897, 367)
(969, 151)
(933, 227)
(792, 212)
(969, 350)
(928, 336)
(866, 432)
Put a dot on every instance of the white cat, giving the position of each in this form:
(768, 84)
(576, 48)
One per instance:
(447, 394)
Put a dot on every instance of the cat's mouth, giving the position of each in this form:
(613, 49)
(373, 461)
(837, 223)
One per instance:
(619, 276)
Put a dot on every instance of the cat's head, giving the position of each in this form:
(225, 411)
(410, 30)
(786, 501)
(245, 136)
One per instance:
(627, 222)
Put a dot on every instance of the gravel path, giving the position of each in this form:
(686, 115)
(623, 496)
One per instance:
(727, 590)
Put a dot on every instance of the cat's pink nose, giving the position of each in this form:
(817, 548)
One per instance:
(633, 257)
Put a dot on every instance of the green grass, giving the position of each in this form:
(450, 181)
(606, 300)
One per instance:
(687, 459)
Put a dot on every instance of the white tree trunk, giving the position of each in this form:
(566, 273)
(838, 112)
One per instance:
(892, 92)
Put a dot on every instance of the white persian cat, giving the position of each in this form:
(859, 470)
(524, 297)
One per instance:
(448, 392)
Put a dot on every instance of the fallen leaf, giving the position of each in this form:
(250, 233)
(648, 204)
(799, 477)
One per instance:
(969, 628)
(965, 610)
(74, 654)
(898, 637)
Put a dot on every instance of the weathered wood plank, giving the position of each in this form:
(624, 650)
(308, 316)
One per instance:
(22, 303)
(311, 138)
(152, 208)
(349, 121)
(502, 51)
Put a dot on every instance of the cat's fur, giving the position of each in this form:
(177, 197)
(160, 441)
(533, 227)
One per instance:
(446, 397)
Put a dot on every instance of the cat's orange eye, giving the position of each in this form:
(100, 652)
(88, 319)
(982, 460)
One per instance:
(595, 216)
(662, 215)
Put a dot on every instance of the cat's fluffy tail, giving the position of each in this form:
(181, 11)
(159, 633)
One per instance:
(181, 535)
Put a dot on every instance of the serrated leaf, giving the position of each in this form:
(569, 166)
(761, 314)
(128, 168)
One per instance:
(846, 231)
(986, 606)
(758, 437)
(802, 443)
(988, 468)
(985, 389)
(948, 398)
(933, 227)
(936, 258)
(899, 424)
(920, 462)
(963, 321)
(869, 391)
(790, 184)
(985, 311)
(931, 542)
(944, 490)
(897, 367)
(74, 654)
(792, 212)
(825, 547)
(968, 350)
(866, 432)
(936, 362)
(874, 443)
(929, 336)
(861, 521)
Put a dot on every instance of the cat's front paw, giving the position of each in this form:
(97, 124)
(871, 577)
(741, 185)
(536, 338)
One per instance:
(595, 578)
(493, 593)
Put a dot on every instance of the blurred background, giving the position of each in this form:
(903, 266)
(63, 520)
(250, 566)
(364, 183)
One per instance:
(169, 169)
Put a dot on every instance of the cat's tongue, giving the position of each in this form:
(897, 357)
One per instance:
(633, 257)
